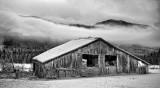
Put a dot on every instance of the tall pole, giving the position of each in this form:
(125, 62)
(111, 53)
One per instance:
(159, 63)
(158, 59)
(12, 59)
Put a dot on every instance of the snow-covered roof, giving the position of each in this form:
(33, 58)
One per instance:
(73, 45)
(64, 48)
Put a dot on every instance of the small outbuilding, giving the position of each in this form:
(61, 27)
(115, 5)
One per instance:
(89, 56)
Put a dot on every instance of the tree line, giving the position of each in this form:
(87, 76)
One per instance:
(18, 50)
(153, 58)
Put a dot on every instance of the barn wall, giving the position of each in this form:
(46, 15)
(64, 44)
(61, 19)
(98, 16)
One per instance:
(126, 63)
(133, 65)
(38, 69)
(73, 60)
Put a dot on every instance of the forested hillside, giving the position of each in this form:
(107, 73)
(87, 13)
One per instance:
(152, 58)
(23, 50)
(139, 50)
(149, 54)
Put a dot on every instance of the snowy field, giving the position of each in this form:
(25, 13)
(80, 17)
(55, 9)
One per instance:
(120, 81)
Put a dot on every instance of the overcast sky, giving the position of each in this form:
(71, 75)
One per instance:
(86, 11)
(80, 11)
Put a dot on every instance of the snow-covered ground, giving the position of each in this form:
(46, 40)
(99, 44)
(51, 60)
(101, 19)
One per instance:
(120, 81)
(154, 69)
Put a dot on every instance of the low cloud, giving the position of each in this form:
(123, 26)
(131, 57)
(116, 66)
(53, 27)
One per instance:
(29, 27)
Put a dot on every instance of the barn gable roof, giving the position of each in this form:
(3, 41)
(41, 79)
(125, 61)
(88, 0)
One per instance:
(73, 45)
(64, 48)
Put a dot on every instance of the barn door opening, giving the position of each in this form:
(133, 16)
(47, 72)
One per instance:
(89, 65)
(111, 64)
(90, 60)
(110, 60)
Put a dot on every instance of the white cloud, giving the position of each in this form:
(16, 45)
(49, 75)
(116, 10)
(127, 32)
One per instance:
(38, 28)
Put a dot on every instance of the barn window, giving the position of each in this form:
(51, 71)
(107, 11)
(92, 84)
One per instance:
(110, 60)
(90, 60)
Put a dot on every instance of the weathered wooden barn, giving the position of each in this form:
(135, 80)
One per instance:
(87, 57)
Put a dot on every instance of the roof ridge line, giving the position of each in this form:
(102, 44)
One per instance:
(89, 37)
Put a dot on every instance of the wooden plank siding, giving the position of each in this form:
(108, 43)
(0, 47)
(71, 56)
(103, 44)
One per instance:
(73, 61)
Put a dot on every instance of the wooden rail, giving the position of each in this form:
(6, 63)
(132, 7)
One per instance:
(142, 70)
(62, 72)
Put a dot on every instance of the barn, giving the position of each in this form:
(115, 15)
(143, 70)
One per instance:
(90, 56)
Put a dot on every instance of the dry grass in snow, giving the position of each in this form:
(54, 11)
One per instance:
(121, 81)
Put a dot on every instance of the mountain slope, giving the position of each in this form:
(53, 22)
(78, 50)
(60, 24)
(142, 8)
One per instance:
(138, 50)
(110, 22)
(113, 22)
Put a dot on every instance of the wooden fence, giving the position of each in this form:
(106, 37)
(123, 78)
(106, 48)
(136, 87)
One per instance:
(142, 70)
(62, 72)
